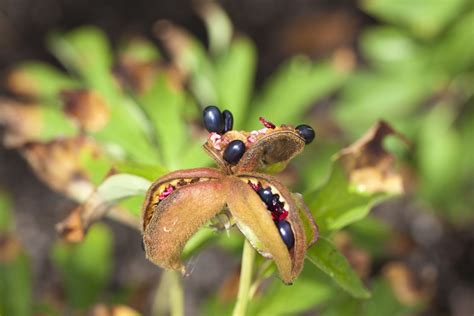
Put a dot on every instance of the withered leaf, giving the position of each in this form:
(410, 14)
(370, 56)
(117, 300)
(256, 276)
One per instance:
(369, 166)
(58, 164)
(87, 107)
(22, 122)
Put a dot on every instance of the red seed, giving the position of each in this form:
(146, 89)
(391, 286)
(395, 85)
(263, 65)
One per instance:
(266, 123)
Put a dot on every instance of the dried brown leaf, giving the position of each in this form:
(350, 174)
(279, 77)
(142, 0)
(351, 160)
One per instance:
(10, 247)
(87, 107)
(21, 83)
(22, 122)
(404, 283)
(57, 163)
(369, 166)
(72, 229)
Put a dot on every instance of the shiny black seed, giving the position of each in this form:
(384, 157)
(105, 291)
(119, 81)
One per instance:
(307, 132)
(228, 120)
(275, 203)
(234, 151)
(266, 195)
(213, 120)
(286, 233)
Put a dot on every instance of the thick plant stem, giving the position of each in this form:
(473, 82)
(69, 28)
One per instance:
(246, 271)
(176, 295)
(169, 297)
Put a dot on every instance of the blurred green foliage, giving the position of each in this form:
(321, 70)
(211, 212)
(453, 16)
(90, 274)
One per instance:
(418, 74)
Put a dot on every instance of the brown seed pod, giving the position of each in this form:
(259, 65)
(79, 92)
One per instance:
(180, 203)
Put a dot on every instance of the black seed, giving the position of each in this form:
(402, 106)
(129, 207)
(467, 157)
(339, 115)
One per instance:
(212, 119)
(228, 120)
(275, 203)
(234, 151)
(286, 233)
(266, 195)
(307, 132)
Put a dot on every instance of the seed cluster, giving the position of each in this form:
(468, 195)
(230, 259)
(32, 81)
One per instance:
(277, 210)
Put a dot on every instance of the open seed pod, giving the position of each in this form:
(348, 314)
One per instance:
(179, 204)
(276, 222)
(264, 148)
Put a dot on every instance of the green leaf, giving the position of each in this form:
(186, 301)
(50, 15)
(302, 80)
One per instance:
(279, 299)
(85, 268)
(6, 218)
(369, 97)
(384, 302)
(327, 258)
(391, 49)
(54, 123)
(121, 186)
(337, 204)
(16, 287)
(439, 153)
(371, 234)
(87, 52)
(194, 58)
(235, 72)
(140, 50)
(41, 80)
(455, 49)
(163, 105)
(218, 25)
(147, 171)
(425, 18)
(292, 90)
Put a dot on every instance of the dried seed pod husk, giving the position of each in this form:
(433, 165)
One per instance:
(177, 218)
(269, 147)
(277, 146)
(169, 223)
(246, 206)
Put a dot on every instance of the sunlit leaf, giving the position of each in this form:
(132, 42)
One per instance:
(37, 79)
(327, 258)
(369, 97)
(86, 51)
(235, 72)
(191, 57)
(392, 49)
(85, 268)
(291, 91)
(163, 105)
(218, 24)
(426, 18)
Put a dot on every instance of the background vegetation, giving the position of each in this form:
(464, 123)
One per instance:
(133, 104)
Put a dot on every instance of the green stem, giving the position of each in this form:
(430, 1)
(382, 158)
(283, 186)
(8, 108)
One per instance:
(176, 295)
(248, 258)
(169, 297)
